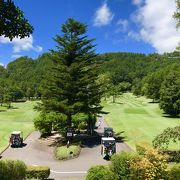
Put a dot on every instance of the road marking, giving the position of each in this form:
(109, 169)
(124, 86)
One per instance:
(65, 172)
(70, 172)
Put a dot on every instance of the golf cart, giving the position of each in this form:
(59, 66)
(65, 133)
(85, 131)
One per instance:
(16, 139)
(108, 132)
(108, 147)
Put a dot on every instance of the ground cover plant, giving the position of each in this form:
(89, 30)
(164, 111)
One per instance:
(64, 152)
(139, 119)
(19, 117)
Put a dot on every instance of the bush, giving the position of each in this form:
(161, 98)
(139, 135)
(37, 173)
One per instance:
(46, 122)
(151, 165)
(142, 147)
(174, 172)
(12, 170)
(173, 156)
(63, 153)
(141, 169)
(100, 173)
(43, 124)
(120, 164)
(37, 172)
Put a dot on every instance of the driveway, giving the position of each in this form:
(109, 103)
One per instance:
(35, 154)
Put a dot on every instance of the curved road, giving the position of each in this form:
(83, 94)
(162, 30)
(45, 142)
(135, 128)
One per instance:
(35, 154)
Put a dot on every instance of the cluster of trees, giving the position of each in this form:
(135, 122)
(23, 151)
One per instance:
(155, 76)
(146, 163)
(21, 79)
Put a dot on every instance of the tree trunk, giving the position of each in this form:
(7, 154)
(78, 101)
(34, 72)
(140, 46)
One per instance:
(114, 98)
(91, 123)
(69, 120)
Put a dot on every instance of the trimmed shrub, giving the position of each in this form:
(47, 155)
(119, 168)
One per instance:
(12, 170)
(37, 172)
(174, 172)
(63, 153)
(120, 164)
(100, 173)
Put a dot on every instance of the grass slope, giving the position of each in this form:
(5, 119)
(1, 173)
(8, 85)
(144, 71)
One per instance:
(20, 117)
(140, 119)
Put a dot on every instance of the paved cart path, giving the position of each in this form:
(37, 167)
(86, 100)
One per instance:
(34, 154)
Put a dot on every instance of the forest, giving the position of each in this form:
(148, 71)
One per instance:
(154, 76)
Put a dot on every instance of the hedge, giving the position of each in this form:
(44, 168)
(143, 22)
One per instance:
(37, 172)
(12, 170)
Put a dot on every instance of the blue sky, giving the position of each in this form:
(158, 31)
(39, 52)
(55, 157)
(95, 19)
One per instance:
(143, 26)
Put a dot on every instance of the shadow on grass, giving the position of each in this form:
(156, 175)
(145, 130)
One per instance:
(120, 138)
(170, 116)
(119, 103)
(12, 107)
(3, 110)
(153, 102)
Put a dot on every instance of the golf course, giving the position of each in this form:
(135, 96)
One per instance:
(139, 119)
(18, 118)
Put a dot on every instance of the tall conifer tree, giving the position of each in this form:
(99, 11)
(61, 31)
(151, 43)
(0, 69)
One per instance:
(71, 87)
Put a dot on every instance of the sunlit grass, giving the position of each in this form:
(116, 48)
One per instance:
(18, 118)
(139, 118)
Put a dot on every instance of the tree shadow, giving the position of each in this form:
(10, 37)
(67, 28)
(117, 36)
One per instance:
(120, 138)
(170, 116)
(153, 102)
(89, 141)
(3, 110)
(12, 107)
(119, 103)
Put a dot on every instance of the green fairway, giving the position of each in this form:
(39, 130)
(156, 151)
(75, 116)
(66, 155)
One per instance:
(140, 119)
(19, 118)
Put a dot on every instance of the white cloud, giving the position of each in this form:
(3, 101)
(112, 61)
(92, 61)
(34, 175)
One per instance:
(134, 35)
(103, 16)
(122, 26)
(19, 45)
(137, 2)
(157, 26)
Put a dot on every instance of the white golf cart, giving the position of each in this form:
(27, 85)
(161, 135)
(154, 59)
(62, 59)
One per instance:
(108, 147)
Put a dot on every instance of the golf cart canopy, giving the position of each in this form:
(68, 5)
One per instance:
(108, 139)
(16, 132)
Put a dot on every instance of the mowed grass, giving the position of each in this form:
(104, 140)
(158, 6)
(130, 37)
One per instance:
(19, 118)
(139, 119)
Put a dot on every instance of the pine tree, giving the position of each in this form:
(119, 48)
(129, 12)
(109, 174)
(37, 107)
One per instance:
(71, 87)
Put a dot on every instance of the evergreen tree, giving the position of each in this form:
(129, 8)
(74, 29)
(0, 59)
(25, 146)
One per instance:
(170, 94)
(71, 87)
